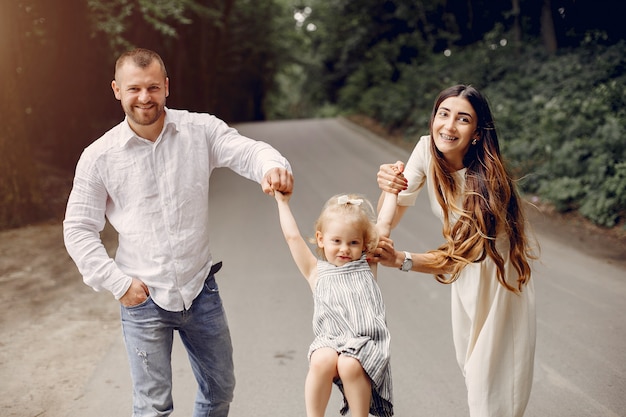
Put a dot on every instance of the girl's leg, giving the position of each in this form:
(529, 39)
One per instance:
(357, 386)
(319, 381)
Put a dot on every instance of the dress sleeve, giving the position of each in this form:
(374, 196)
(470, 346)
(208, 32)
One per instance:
(415, 171)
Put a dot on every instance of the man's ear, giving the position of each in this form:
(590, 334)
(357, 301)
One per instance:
(116, 90)
(167, 87)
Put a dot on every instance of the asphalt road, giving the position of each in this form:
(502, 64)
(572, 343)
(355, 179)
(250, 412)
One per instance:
(580, 367)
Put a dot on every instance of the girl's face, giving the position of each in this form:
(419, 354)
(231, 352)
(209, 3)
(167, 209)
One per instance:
(454, 128)
(341, 241)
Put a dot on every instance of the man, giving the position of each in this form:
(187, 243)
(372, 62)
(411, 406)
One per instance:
(149, 176)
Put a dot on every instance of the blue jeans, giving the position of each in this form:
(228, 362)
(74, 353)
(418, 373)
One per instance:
(148, 334)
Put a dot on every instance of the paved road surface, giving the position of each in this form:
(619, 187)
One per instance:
(581, 348)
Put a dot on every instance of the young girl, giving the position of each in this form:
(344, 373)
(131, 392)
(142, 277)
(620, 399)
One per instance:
(351, 346)
(486, 254)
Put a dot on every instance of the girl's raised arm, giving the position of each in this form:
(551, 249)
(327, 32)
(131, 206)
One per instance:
(300, 251)
(386, 213)
(388, 204)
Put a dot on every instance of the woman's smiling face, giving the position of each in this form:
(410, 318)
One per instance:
(453, 129)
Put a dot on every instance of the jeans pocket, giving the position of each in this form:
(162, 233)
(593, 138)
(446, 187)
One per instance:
(210, 285)
(141, 304)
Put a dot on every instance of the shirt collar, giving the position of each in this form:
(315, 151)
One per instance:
(127, 133)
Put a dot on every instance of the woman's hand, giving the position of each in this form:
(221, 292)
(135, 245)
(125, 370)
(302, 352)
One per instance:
(391, 179)
(384, 253)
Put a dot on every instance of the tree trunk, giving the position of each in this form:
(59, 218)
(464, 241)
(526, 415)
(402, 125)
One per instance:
(548, 34)
(20, 195)
(517, 25)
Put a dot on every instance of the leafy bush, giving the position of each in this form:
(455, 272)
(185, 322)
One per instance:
(561, 118)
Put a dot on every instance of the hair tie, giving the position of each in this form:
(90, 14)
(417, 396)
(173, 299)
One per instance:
(343, 199)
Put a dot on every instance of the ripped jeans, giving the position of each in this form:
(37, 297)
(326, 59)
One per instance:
(148, 334)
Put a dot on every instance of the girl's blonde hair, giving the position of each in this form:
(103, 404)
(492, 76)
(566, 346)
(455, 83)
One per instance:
(490, 204)
(353, 208)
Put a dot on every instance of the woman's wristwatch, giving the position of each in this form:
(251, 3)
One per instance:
(407, 264)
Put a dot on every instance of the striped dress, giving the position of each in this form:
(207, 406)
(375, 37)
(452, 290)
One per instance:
(349, 316)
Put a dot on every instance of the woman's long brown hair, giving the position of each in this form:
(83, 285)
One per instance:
(490, 201)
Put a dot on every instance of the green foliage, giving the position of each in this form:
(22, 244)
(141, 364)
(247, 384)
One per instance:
(55, 95)
(561, 118)
(113, 18)
(575, 133)
(222, 56)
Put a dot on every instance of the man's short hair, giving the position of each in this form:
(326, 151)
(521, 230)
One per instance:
(142, 58)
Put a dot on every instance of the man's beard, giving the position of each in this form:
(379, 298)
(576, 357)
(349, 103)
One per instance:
(143, 118)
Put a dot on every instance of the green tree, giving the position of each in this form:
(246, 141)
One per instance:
(46, 100)
(20, 196)
(222, 56)
(57, 63)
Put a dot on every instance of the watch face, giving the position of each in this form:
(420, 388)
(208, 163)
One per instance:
(407, 264)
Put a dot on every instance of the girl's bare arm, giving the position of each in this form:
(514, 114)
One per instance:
(305, 259)
(391, 180)
(386, 213)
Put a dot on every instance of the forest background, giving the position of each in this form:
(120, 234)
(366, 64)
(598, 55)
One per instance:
(553, 70)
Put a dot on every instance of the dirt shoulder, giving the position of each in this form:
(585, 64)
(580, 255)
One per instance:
(53, 328)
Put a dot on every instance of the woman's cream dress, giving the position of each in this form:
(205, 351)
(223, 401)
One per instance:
(493, 328)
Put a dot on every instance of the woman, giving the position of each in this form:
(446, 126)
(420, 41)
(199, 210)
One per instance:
(486, 254)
